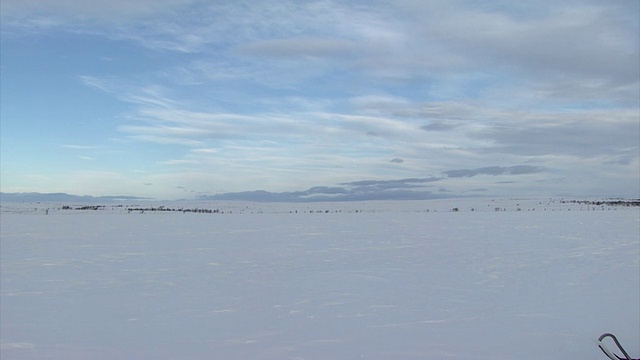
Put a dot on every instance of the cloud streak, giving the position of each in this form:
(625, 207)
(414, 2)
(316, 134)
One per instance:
(495, 170)
(364, 190)
(368, 190)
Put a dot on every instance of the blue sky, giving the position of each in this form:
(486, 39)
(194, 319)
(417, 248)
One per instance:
(179, 99)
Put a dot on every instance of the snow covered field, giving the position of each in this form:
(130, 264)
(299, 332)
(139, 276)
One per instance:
(377, 280)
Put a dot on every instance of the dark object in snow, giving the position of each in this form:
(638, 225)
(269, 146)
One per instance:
(611, 355)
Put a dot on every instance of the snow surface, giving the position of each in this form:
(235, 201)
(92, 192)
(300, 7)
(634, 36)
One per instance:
(378, 280)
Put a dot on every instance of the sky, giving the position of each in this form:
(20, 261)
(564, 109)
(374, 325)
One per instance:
(188, 99)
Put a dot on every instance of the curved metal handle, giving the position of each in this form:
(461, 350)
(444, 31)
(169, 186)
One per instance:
(608, 352)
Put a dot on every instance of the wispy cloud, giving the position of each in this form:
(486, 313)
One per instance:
(114, 10)
(78, 147)
(439, 125)
(582, 133)
(179, 162)
(495, 170)
(298, 48)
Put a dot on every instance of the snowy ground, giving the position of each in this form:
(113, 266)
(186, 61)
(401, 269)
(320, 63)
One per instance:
(379, 280)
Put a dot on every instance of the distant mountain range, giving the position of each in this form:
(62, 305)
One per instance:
(257, 196)
(362, 190)
(316, 194)
(400, 189)
(62, 197)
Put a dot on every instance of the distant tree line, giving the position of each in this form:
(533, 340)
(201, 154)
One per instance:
(632, 202)
(145, 209)
(86, 207)
(166, 209)
(596, 204)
